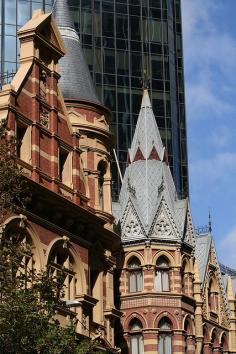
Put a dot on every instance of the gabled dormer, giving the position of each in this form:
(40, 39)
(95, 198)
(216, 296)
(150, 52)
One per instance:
(215, 306)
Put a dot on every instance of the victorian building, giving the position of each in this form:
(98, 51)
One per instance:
(64, 146)
(171, 293)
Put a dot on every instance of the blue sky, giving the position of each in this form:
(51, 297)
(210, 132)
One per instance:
(209, 35)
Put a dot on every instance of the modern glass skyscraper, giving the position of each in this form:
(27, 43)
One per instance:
(122, 39)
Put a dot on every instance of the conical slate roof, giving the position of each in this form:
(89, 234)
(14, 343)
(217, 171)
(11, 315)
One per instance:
(148, 205)
(76, 81)
(146, 136)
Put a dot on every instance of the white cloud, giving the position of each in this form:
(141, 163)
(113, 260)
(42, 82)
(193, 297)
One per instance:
(209, 54)
(201, 99)
(227, 248)
(213, 169)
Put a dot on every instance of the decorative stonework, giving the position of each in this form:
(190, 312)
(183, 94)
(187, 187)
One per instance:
(43, 84)
(44, 117)
(132, 229)
(162, 227)
(130, 224)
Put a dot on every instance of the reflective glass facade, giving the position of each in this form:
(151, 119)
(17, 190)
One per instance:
(121, 40)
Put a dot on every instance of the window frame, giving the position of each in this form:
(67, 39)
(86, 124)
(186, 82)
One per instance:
(136, 333)
(135, 271)
(165, 333)
(162, 270)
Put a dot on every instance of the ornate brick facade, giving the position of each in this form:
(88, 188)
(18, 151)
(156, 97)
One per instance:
(171, 296)
(65, 224)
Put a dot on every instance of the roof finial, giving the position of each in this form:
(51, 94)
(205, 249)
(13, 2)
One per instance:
(209, 221)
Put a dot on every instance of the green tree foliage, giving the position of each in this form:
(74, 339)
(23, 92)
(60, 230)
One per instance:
(29, 301)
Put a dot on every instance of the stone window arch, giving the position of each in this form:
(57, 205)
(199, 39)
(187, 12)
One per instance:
(162, 278)
(135, 275)
(214, 342)
(189, 337)
(165, 336)
(23, 250)
(223, 344)
(136, 337)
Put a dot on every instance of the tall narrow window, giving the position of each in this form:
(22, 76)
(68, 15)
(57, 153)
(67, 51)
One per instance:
(164, 337)
(135, 275)
(212, 296)
(101, 173)
(136, 337)
(162, 275)
(23, 136)
(61, 265)
(65, 167)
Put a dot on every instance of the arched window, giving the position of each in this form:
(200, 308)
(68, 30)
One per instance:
(213, 296)
(164, 337)
(135, 275)
(101, 174)
(187, 280)
(214, 343)
(189, 341)
(136, 340)
(21, 248)
(61, 264)
(162, 275)
(224, 344)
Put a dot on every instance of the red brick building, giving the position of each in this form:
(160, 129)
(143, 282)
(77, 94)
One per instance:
(172, 296)
(172, 293)
(64, 152)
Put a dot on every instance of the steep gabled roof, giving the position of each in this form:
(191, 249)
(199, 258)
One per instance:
(203, 245)
(206, 255)
(76, 82)
(148, 188)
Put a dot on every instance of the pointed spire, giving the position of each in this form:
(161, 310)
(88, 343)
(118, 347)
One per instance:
(209, 222)
(76, 82)
(146, 134)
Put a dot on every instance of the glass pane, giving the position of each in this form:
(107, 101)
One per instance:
(139, 281)
(134, 345)
(160, 345)
(167, 344)
(10, 48)
(134, 263)
(136, 325)
(23, 11)
(141, 346)
(10, 11)
(158, 284)
(165, 281)
(132, 282)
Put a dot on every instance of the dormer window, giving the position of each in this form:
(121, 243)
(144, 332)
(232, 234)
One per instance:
(162, 275)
